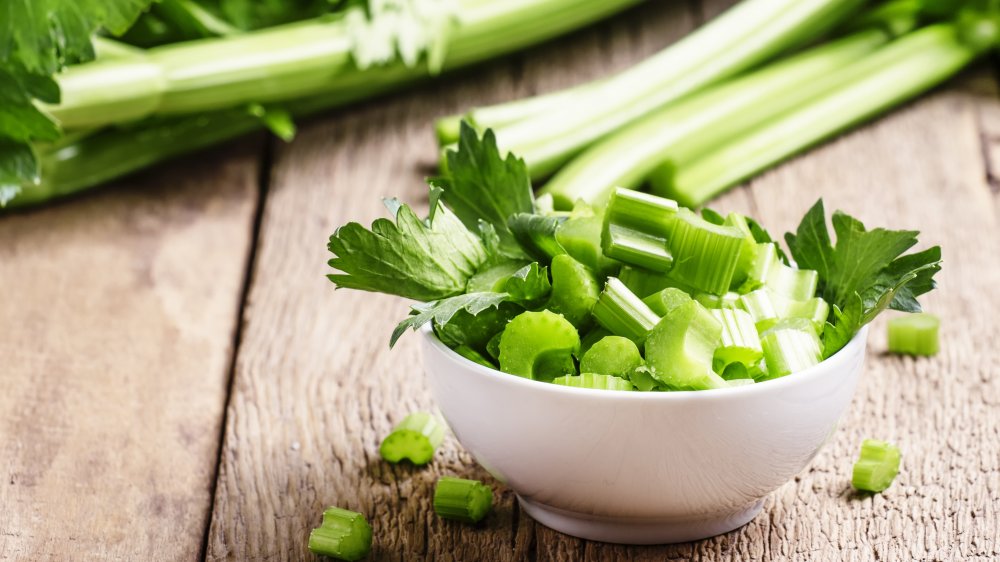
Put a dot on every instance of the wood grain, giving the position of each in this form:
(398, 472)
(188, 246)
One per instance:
(118, 314)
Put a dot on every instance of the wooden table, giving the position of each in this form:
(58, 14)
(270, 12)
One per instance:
(180, 381)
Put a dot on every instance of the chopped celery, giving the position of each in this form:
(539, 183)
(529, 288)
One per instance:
(596, 334)
(492, 279)
(462, 500)
(642, 379)
(344, 535)
(705, 254)
(767, 308)
(790, 346)
(623, 313)
(760, 305)
(474, 356)
(636, 227)
(748, 250)
(643, 282)
(594, 381)
(816, 310)
(414, 439)
(795, 284)
(877, 467)
(739, 382)
(539, 345)
(729, 300)
(665, 300)
(915, 334)
(574, 290)
(681, 345)
(613, 355)
(765, 257)
(580, 235)
(740, 342)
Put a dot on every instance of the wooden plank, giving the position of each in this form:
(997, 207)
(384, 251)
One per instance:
(316, 387)
(119, 312)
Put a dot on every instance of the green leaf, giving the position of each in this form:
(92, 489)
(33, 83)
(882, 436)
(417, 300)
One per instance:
(865, 272)
(404, 30)
(762, 236)
(712, 216)
(481, 186)
(411, 258)
(18, 167)
(529, 286)
(536, 234)
(442, 311)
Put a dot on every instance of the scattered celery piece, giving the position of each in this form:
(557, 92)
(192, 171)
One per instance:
(680, 348)
(344, 535)
(414, 439)
(795, 284)
(877, 467)
(705, 254)
(665, 300)
(914, 334)
(594, 381)
(613, 355)
(574, 290)
(740, 342)
(790, 346)
(622, 313)
(539, 345)
(462, 500)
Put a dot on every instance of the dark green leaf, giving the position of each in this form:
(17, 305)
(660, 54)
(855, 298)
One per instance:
(442, 311)
(845, 324)
(712, 216)
(529, 286)
(536, 234)
(18, 167)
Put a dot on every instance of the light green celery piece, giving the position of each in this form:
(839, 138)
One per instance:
(580, 236)
(493, 279)
(877, 467)
(815, 310)
(680, 347)
(914, 334)
(414, 439)
(792, 283)
(765, 257)
(594, 381)
(790, 348)
(463, 500)
(729, 300)
(739, 382)
(539, 345)
(574, 290)
(474, 356)
(636, 248)
(748, 250)
(740, 342)
(612, 355)
(344, 535)
(594, 335)
(636, 227)
(901, 70)
(666, 300)
(705, 254)
(642, 379)
(643, 282)
(622, 313)
(679, 132)
(761, 306)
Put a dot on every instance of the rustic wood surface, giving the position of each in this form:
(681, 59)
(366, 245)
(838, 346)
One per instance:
(118, 419)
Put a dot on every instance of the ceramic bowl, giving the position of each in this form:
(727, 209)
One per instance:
(641, 467)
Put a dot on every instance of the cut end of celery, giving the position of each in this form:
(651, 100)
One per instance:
(914, 334)
(463, 500)
(877, 467)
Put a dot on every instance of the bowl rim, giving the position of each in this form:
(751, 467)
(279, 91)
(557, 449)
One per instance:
(823, 368)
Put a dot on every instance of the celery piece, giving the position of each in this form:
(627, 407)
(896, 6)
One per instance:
(792, 283)
(623, 313)
(705, 254)
(594, 381)
(574, 290)
(344, 535)
(581, 237)
(596, 334)
(790, 346)
(748, 249)
(765, 257)
(612, 355)
(739, 382)
(414, 439)
(643, 282)
(642, 379)
(681, 345)
(474, 356)
(729, 300)
(636, 248)
(877, 467)
(740, 342)
(664, 301)
(462, 500)
(761, 306)
(815, 310)
(492, 279)
(539, 345)
(914, 334)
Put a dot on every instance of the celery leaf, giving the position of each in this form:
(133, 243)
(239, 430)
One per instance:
(442, 311)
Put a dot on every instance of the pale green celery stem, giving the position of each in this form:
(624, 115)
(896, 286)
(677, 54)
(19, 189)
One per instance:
(894, 74)
(695, 125)
(748, 33)
(293, 61)
(109, 49)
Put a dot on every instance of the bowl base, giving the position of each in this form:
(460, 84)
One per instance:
(637, 531)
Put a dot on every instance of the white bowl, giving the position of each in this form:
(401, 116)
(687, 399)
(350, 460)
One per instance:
(642, 467)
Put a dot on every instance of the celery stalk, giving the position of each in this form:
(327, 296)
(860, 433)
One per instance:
(622, 313)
